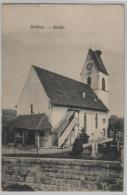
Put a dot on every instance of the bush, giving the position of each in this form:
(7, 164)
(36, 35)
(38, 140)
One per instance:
(79, 141)
(77, 146)
(83, 136)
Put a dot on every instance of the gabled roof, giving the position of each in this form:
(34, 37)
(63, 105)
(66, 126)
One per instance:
(63, 91)
(95, 55)
(31, 122)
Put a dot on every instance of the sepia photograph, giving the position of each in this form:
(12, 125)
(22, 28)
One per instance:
(62, 97)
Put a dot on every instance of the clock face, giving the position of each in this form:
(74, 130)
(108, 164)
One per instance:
(89, 66)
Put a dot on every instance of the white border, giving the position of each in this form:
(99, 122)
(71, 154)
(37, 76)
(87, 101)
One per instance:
(124, 2)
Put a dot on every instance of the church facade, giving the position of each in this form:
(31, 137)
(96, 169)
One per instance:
(67, 105)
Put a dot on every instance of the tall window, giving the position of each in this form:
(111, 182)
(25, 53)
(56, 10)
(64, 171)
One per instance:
(104, 132)
(31, 108)
(89, 81)
(103, 84)
(96, 121)
(85, 120)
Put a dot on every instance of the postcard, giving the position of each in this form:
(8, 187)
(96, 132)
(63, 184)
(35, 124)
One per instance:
(62, 97)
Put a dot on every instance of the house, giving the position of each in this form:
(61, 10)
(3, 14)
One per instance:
(68, 105)
(31, 130)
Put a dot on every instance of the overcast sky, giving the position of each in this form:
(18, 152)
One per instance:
(62, 50)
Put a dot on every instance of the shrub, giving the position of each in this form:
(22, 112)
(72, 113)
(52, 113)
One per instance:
(77, 146)
(83, 136)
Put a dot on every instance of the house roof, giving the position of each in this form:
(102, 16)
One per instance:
(98, 61)
(31, 122)
(63, 91)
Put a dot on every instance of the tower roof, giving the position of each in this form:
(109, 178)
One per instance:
(96, 56)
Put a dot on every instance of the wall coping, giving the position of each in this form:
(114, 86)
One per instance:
(58, 161)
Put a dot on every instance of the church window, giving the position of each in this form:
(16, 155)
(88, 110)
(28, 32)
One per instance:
(85, 120)
(104, 132)
(96, 121)
(103, 84)
(31, 108)
(89, 81)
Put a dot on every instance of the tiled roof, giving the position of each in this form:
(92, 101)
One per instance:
(63, 91)
(98, 61)
(32, 122)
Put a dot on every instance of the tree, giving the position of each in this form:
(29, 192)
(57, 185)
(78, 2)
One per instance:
(79, 141)
(83, 136)
(77, 146)
(116, 127)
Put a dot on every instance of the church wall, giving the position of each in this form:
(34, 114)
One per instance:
(102, 123)
(106, 77)
(103, 95)
(90, 73)
(57, 114)
(33, 93)
(93, 73)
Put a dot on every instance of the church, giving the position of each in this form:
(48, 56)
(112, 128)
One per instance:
(52, 109)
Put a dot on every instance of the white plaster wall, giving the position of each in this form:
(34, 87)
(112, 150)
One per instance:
(93, 73)
(90, 73)
(58, 113)
(103, 125)
(104, 96)
(106, 77)
(91, 124)
(33, 93)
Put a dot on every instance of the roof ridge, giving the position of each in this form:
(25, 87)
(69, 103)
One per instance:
(60, 75)
(98, 61)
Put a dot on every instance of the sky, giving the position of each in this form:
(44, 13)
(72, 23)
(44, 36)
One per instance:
(62, 50)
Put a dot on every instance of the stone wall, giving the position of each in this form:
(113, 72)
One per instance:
(62, 174)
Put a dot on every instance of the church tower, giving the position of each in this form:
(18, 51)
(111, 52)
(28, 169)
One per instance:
(96, 76)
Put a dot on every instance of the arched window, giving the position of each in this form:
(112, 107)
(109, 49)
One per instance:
(103, 84)
(89, 81)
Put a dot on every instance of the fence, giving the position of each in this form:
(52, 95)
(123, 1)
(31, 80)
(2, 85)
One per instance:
(11, 150)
